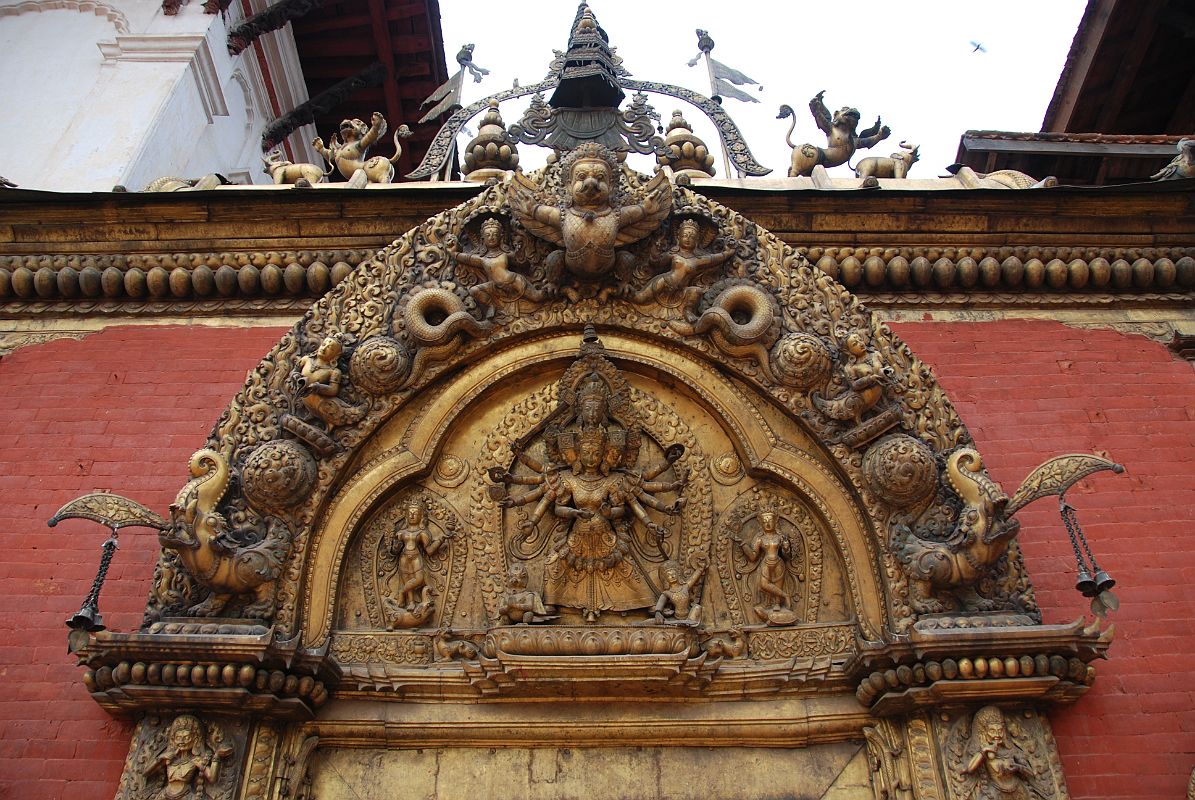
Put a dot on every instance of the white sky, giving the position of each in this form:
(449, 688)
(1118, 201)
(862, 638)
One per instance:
(909, 62)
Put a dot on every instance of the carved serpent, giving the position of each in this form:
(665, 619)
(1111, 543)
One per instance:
(743, 321)
(433, 318)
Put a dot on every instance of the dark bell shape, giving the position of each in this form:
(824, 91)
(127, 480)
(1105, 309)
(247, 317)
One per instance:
(1085, 584)
(1103, 582)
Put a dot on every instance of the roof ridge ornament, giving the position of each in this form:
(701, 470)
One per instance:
(588, 84)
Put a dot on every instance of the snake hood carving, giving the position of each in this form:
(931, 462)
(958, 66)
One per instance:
(588, 217)
(944, 574)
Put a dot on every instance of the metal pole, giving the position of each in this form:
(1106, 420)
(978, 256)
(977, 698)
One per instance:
(714, 93)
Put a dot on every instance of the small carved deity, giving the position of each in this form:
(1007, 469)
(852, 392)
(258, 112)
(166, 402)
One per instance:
(995, 767)
(520, 605)
(671, 289)
(502, 284)
(347, 150)
(591, 486)
(676, 602)
(778, 567)
(590, 219)
(188, 763)
(866, 377)
(841, 139)
(403, 560)
(320, 379)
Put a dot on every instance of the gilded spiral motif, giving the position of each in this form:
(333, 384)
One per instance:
(278, 475)
(900, 469)
(801, 360)
(379, 365)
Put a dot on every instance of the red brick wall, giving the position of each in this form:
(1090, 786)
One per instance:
(1031, 390)
(121, 410)
(125, 408)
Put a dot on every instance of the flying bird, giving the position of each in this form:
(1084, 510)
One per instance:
(976, 47)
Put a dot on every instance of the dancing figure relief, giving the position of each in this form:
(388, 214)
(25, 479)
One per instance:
(404, 566)
(501, 284)
(320, 379)
(189, 763)
(599, 500)
(776, 566)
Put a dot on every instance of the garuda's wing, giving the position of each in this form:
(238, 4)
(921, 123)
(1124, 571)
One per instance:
(656, 200)
(524, 197)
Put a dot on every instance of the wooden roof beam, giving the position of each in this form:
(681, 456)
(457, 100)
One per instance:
(1078, 65)
(271, 19)
(1126, 74)
(384, 45)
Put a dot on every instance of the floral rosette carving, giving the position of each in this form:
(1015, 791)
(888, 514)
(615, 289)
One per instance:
(379, 365)
(901, 470)
(278, 475)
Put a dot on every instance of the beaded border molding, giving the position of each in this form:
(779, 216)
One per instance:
(282, 276)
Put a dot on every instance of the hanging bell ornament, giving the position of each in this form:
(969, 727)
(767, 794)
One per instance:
(88, 619)
(1103, 581)
(1085, 584)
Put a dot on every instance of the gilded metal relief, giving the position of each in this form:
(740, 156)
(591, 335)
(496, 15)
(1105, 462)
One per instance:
(412, 563)
(184, 757)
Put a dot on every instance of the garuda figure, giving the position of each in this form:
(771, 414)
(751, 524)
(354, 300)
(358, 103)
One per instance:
(588, 217)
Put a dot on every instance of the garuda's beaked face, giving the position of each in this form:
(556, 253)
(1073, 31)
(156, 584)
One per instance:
(591, 183)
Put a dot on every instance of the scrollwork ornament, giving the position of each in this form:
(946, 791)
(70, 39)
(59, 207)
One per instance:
(901, 470)
(801, 360)
(278, 475)
(379, 365)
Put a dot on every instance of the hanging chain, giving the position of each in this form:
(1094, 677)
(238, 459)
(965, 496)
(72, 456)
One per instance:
(1071, 520)
(109, 547)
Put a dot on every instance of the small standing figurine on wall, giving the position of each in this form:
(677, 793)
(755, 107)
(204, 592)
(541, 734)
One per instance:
(676, 603)
(996, 767)
(521, 605)
(770, 553)
(671, 289)
(320, 379)
(405, 552)
(502, 284)
(188, 763)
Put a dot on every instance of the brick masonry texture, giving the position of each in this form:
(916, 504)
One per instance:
(121, 410)
(1032, 390)
(125, 408)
